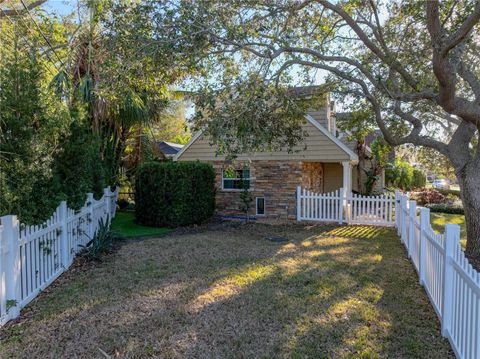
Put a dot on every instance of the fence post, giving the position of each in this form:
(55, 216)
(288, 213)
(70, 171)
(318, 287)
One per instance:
(11, 264)
(452, 238)
(113, 204)
(412, 212)
(424, 225)
(299, 203)
(403, 224)
(107, 200)
(90, 214)
(3, 299)
(340, 206)
(64, 247)
(397, 211)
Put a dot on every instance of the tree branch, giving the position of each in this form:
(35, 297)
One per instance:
(463, 31)
(19, 12)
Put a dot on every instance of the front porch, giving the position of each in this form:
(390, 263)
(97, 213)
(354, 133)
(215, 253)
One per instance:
(325, 177)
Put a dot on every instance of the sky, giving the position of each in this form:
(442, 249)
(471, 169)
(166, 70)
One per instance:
(60, 7)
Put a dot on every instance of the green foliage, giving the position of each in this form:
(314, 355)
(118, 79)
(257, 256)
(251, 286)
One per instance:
(419, 180)
(381, 150)
(246, 198)
(102, 241)
(174, 193)
(404, 176)
(372, 178)
(65, 124)
(31, 125)
(249, 115)
(78, 168)
(449, 192)
(445, 208)
(359, 121)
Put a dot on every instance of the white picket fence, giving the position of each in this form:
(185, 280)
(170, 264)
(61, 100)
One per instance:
(32, 257)
(451, 283)
(338, 206)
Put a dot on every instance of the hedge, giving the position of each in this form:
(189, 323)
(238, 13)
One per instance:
(446, 192)
(445, 208)
(174, 194)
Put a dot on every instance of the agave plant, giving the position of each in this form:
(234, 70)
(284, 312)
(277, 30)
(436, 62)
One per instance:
(102, 241)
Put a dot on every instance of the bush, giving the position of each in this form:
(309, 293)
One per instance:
(122, 203)
(451, 192)
(174, 193)
(445, 208)
(419, 179)
(102, 241)
(428, 196)
(404, 176)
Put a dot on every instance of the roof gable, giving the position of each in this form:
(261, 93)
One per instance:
(321, 145)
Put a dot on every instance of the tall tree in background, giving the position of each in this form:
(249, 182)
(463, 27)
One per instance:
(31, 122)
(72, 95)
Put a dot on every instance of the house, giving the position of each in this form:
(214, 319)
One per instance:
(321, 163)
(169, 149)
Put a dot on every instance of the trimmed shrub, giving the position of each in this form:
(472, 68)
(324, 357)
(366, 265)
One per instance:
(174, 194)
(445, 208)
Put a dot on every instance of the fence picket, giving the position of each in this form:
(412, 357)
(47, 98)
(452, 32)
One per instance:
(452, 285)
(375, 210)
(32, 257)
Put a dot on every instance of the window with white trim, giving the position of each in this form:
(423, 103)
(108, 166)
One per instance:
(236, 179)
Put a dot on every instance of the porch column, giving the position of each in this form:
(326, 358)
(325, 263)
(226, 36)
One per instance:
(347, 176)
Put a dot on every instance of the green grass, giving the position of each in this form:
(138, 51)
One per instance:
(439, 220)
(124, 225)
(329, 292)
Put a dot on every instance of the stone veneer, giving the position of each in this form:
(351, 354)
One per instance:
(276, 181)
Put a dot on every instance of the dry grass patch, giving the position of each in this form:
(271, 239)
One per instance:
(330, 292)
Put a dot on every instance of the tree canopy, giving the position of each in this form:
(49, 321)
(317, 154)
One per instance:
(73, 97)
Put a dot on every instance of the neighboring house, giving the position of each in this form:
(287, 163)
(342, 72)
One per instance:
(321, 163)
(168, 149)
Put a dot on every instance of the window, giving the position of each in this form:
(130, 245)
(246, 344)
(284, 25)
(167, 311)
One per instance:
(260, 206)
(236, 179)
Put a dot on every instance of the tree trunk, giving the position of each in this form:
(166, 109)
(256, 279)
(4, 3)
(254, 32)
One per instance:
(469, 180)
(361, 162)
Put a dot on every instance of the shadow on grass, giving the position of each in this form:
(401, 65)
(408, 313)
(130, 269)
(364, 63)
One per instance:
(329, 292)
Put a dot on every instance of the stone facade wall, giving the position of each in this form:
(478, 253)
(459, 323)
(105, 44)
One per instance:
(276, 181)
(312, 176)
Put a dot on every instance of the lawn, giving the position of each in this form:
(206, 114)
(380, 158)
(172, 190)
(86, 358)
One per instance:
(439, 220)
(124, 225)
(329, 292)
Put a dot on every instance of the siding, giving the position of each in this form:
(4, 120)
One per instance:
(332, 176)
(321, 117)
(318, 147)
